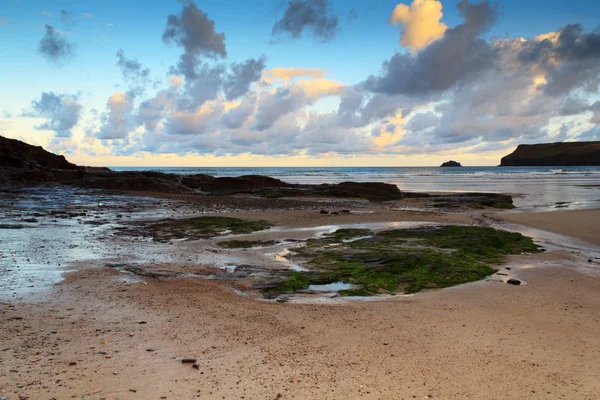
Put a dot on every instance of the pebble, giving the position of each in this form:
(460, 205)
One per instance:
(188, 360)
(513, 282)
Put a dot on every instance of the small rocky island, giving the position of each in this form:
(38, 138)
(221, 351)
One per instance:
(554, 155)
(451, 163)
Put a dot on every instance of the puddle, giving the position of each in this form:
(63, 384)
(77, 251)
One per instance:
(330, 287)
(374, 226)
(281, 257)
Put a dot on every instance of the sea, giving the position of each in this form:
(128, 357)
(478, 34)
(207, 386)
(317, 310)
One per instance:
(533, 188)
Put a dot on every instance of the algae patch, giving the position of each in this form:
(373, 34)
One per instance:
(404, 260)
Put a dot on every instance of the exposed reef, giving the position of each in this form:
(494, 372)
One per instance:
(24, 165)
(402, 260)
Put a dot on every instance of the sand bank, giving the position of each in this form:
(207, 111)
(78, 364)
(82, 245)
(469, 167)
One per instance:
(582, 224)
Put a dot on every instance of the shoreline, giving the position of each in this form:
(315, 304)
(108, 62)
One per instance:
(102, 334)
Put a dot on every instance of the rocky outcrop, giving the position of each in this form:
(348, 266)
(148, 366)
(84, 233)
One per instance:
(24, 163)
(451, 163)
(17, 154)
(554, 154)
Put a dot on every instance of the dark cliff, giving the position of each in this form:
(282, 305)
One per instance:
(17, 154)
(554, 154)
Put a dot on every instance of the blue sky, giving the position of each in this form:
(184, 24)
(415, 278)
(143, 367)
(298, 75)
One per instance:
(358, 50)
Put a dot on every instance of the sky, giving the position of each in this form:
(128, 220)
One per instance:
(298, 82)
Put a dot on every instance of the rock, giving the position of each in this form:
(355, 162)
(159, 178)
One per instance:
(323, 212)
(451, 163)
(11, 226)
(188, 360)
(23, 397)
(513, 282)
(142, 323)
(554, 154)
(334, 213)
(73, 363)
(30, 220)
(196, 366)
(590, 260)
(346, 211)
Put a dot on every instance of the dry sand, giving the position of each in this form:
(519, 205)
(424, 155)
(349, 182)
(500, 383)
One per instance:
(486, 340)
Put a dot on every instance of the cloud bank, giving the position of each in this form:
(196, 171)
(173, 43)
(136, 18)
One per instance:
(456, 90)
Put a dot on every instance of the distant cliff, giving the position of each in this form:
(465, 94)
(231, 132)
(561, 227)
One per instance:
(554, 154)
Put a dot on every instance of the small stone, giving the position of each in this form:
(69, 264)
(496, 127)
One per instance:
(334, 213)
(590, 260)
(73, 363)
(196, 366)
(188, 360)
(513, 282)
(142, 322)
(346, 211)
(133, 390)
(323, 212)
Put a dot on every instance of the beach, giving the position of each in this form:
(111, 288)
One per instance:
(104, 334)
(581, 224)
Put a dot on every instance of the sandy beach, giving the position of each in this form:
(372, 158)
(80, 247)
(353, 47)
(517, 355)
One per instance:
(582, 224)
(102, 334)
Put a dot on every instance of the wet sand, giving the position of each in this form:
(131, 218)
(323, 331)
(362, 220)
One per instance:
(582, 224)
(102, 334)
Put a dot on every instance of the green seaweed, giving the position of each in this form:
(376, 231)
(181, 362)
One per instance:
(295, 281)
(411, 260)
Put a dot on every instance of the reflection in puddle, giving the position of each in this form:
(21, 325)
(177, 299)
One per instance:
(281, 257)
(330, 287)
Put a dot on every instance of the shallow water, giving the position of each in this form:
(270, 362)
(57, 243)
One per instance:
(36, 256)
(330, 287)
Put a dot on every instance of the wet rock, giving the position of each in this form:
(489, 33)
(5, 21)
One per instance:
(11, 226)
(334, 213)
(515, 282)
(30, 220)
(324, 212)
